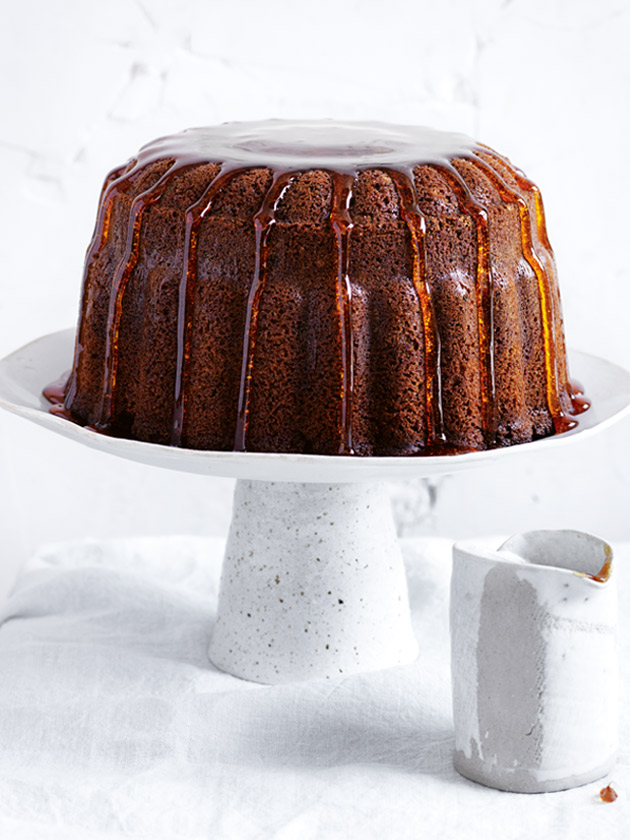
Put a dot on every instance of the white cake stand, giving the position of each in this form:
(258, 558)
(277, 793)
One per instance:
(313, 583)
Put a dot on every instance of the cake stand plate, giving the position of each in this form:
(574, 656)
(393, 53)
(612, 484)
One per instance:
(25, 373)
(313, 582)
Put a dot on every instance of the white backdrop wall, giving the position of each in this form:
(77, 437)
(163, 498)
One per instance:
(83, 84)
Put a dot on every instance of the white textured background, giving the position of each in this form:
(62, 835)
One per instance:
(83, 84)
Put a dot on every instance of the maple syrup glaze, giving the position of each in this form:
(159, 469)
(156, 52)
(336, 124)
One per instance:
(289, 149)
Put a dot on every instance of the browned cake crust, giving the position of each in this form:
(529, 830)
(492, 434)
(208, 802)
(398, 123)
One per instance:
(416, 313)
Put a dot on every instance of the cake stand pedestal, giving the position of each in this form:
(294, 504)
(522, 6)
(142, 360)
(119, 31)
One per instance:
(313, 584)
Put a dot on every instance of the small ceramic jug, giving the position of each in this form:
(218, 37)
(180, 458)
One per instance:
(534, 661)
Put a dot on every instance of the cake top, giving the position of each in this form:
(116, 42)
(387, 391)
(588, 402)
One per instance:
(311, 144)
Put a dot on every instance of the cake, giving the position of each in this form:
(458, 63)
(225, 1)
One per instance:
(320, 287)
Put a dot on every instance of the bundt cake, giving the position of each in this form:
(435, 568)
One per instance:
(320, 287)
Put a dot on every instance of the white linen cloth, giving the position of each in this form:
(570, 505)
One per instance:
(114, 724)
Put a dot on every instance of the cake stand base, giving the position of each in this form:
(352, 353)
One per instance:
(313, 584)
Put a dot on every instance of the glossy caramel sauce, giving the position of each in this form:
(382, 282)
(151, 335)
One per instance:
(606, 569)
(288, 149)
(484, 293)
(263, 223)
(415, 221)
(580, 401)
(604, 573)
(55, 393)
(608, 794)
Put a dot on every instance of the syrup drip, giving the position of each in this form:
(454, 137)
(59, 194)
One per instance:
(99, 238)
(284, 151)
(194, 215)
(415, 221)
(528, 186)
(576, 394)
(608, 794)
(485, 294)
(55, 392)
(115, 181)
(342, 225)
(264, 221)
(604, 573)
(121, 278)
(560, 421)
(580, 402)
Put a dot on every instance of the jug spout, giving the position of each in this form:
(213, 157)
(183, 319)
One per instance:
(534, 660)
(583, 554)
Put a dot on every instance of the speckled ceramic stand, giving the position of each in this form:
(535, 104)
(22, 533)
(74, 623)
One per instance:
(313, 584)
(534, 664)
